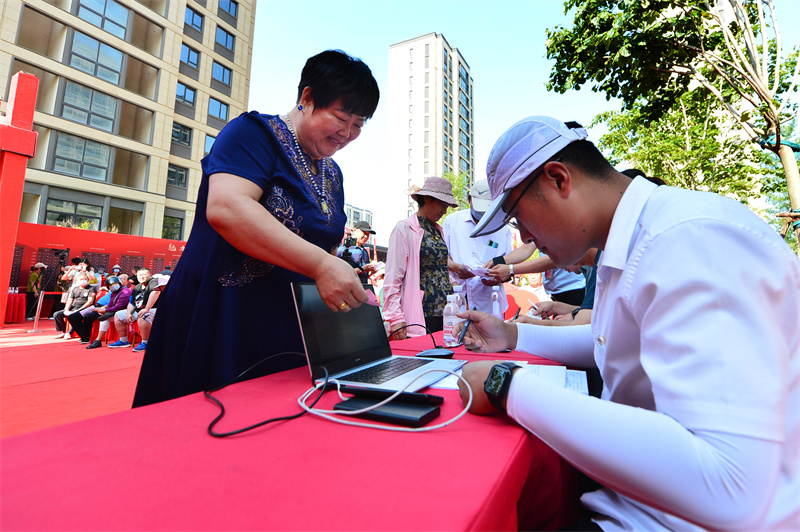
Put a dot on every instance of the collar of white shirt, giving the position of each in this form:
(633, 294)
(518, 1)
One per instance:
(624, 226)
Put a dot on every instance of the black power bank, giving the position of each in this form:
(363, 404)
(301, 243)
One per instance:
(405, 414)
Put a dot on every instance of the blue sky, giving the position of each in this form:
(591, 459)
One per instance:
(502, 40)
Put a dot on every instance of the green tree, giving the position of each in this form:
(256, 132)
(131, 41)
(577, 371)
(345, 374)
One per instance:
(649, 53)
(691, 146)
(461, 185)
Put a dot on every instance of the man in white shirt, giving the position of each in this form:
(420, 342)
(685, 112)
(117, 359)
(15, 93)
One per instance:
(475, 252)
(699, 421)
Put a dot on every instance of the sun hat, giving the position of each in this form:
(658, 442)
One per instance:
(364, 226)
(481, 196)
(519, 151)
(40, 265)
(439, 188)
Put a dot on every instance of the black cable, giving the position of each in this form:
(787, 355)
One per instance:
(418, 325)
(216, 420)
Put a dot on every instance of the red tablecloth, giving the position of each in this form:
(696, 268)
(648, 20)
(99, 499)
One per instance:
(155, 468)
(15, 308)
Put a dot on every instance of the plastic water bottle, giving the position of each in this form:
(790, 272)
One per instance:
(450, 319)
(462, 303)
(497, 308)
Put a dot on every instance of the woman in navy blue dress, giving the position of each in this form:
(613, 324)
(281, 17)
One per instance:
(270, 210)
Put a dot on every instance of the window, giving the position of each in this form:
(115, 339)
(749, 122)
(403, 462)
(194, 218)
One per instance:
(81, 157)
(464, 166)
(209, 143)
(218, 109)
(90, 107)
(230, 7)
(221, 73)
(464, 152)
(462, 71)
(106, 14)
(181, 135)
(463, 98)
(225, 39)
(190, 56)
(426, 152)
(95, 58)
(177, 176)
(185, 94)
(193, 19)
(172, 228)
(61, 212)
(464, 125)
(464, 139)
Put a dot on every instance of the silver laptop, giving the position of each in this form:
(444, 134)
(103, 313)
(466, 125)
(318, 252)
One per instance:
(354, 349)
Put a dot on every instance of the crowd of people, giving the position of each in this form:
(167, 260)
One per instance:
(695, 422)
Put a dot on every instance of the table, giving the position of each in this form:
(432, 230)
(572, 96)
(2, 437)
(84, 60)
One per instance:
(155, 468)
(15, 308)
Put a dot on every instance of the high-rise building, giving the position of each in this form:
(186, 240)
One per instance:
(430, 115)
(132, 94)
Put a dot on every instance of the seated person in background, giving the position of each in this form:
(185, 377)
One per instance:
(564, 313)
(358, 256)
(698, 424)
(140, 309)
(81, 296)
(118, 296)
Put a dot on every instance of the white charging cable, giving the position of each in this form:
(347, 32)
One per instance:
(327, 413)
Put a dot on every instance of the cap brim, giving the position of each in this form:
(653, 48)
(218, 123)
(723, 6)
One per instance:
(492, 219)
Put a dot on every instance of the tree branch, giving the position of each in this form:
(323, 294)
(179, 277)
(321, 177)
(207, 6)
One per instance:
(777, 73)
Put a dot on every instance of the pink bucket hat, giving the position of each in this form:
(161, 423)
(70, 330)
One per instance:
(439, 188)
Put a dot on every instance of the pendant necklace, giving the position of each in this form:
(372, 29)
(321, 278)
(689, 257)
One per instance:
(320, 190)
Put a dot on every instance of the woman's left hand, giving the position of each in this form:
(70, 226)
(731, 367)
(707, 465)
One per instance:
(337, 284)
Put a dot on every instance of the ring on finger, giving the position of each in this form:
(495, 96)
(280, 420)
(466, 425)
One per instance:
(343, 305)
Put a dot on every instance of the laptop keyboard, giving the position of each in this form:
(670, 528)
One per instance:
(385, 371)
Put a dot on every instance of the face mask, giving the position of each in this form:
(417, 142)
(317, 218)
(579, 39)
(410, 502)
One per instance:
(115, 270)
(114, 287)
(84, 283)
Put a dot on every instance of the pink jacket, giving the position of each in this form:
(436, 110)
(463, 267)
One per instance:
(402, 295)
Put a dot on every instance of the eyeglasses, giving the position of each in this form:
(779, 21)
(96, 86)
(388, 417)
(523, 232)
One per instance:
(511, 220)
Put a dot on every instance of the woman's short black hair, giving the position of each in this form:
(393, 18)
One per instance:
(332, 75)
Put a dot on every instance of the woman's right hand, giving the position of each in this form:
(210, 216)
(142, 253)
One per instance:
(338, 283)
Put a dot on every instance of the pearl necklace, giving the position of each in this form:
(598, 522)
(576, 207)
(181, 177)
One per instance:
(319, 188)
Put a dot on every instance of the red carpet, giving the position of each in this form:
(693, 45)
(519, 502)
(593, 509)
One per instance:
(46, 382)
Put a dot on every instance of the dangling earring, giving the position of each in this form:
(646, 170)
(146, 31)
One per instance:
(300, 107)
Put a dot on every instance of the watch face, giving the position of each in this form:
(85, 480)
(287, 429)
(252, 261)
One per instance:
(494, 383)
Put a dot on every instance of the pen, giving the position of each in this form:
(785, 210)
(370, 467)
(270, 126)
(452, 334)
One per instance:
(516, 314)
(464, 330)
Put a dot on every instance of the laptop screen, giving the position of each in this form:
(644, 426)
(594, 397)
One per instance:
(338, 340)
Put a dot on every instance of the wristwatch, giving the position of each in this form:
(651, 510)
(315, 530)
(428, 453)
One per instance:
(498, 382)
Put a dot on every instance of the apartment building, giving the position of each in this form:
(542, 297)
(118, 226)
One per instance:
(430, 114)
(132, 94)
